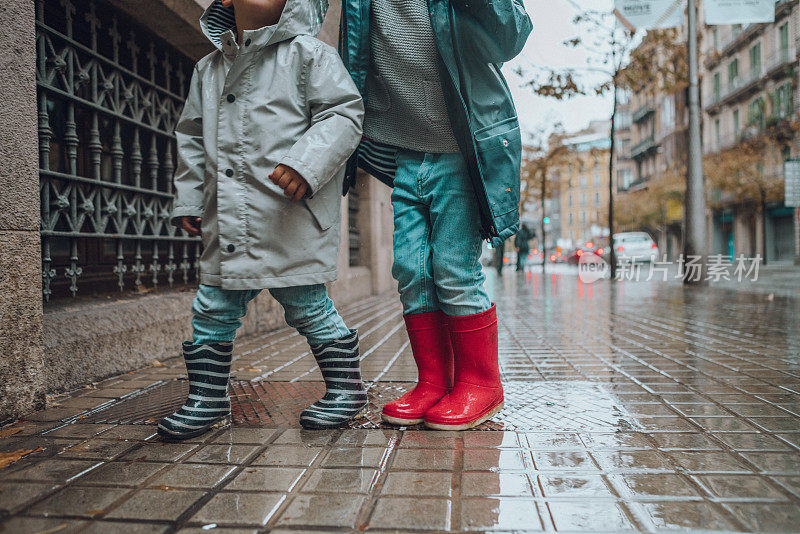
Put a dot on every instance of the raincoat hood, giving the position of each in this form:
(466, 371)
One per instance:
(299, 17)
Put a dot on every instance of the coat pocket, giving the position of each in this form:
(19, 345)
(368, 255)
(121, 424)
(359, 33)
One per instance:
(324, 206)
(499, 151)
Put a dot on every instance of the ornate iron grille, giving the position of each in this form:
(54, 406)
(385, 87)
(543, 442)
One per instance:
(109, 95)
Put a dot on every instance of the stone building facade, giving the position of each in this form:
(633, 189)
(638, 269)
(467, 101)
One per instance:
(582, 180)
(96, 281)
(749, 88)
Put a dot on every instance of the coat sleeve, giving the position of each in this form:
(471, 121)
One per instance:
(497, 28)
(190, 171)
(336, 112)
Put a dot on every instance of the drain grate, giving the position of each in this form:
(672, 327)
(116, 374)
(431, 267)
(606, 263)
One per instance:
(552, 406)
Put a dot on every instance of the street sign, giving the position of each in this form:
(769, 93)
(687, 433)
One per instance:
(650, 14)
(739, 11)
(791, 173)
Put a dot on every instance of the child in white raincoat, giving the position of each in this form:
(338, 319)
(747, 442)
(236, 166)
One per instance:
(271, 117)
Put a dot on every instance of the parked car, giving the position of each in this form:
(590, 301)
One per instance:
(635, 247)
(590, 247)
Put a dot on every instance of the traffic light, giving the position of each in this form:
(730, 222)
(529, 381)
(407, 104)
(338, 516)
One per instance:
(546, 220)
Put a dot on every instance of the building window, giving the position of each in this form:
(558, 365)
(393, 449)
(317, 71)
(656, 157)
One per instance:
(783, 42)
(755, 60)
(570, 217)
(782, 101)
(667, 113)
(717, 134)
(569, 200)
(716, 39)
(755, 113)
(733, 71)
(597, 199)
(737, 127)
(583, 199)
(597, 179)
(716, 86)
(584, 180)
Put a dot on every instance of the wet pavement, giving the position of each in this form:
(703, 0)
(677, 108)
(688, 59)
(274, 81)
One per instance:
(631, 406)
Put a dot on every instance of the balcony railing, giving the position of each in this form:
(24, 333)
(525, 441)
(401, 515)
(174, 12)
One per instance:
(643, 146)
(643, 112)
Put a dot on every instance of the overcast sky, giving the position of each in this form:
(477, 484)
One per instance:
(552, 25)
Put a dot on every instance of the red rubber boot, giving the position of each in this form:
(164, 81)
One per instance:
(430, 344)
(477, 394)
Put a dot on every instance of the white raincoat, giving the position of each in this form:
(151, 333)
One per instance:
(280, 96)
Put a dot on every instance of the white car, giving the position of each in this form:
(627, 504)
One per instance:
(635, 247)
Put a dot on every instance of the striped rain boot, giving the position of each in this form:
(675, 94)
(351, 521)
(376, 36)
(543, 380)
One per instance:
(345, 395)
(209, 368)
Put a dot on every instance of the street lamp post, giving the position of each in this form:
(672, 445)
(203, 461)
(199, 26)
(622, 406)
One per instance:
(694, 239)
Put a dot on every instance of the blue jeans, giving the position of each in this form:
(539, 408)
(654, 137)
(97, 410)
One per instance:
(437, 239)
(218, 313)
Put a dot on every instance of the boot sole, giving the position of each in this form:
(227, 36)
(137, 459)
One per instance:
(322, 426)
(400, 422)
(466, 426)
(167, 436)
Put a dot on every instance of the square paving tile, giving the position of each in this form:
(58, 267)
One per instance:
(696, 516)
(589, 516)
(55, 470)
(500, 514)
(484, 484)
(98, 449)
(244, 435)
(159, 451)
(417, 439)
(654, 485)
(106, 527)
(369, 438)
(490, 440)
(406, 513)
(767, 517)
(708, 461)
(305, 437)
(430, 459)
(192, 476)
(266, 479)
(776, 462)
(166, 504)
(740, 487)
(423, 484)
(78, 430)
(287, 455)
(15, 495)
(75, 501)
(222, 454)
(574, 486)
(120, 474)
(340, 480)
(790, 483)
(240, 508)
(499, 460)
(354, 457)
(41, 525)
(632, 460)
(549, 440)
(130, 432)
(322, 510)
(559, 461)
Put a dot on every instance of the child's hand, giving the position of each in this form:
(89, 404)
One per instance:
(191, 225)
(288, 179)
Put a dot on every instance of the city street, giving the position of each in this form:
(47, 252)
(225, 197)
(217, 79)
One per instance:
(629, 406)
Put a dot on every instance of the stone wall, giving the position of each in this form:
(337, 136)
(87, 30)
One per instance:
(21, 381)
